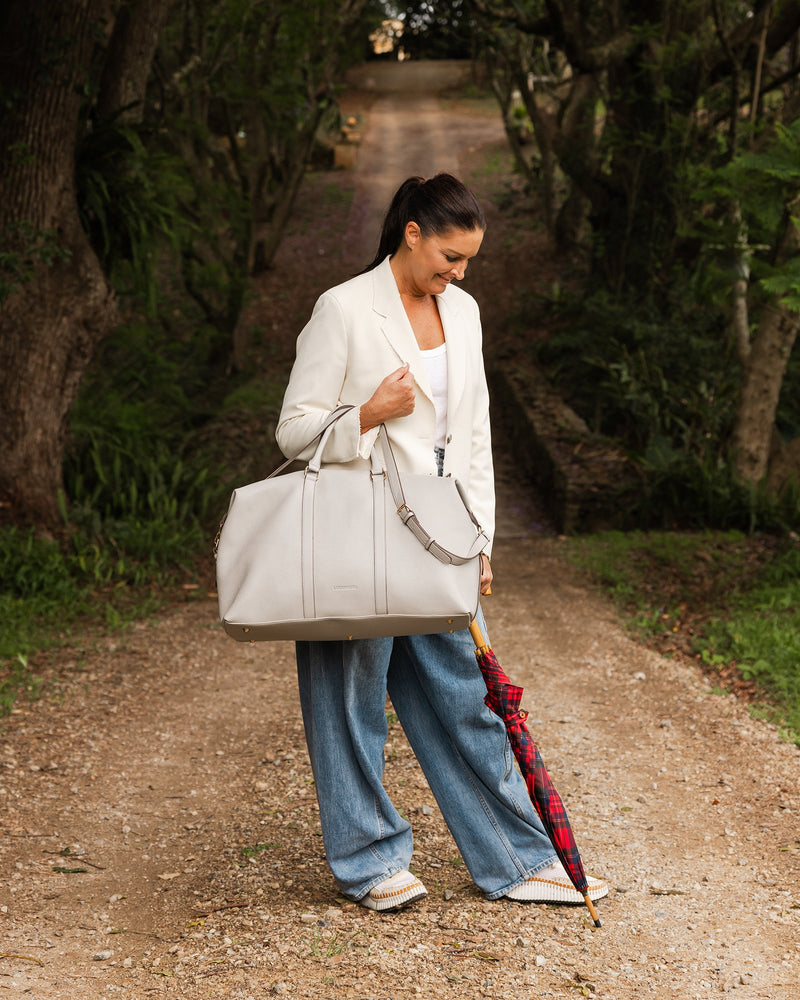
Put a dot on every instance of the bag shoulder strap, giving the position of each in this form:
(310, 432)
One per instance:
(410, 520)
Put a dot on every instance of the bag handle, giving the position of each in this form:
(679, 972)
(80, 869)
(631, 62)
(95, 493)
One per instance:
(404, 512)
(333, 416)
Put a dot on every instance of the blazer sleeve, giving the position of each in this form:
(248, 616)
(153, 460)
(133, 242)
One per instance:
(315, 389)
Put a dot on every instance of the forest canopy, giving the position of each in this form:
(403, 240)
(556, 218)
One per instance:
(152, 152)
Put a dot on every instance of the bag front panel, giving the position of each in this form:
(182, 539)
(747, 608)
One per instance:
(267, 543)
(343, 572)
(258, 559)
(417, 581)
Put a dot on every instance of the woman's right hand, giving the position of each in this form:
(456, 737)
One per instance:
(394, 397)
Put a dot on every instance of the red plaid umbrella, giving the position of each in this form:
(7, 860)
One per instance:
(504, 698)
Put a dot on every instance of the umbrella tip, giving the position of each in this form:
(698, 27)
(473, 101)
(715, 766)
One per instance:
(592, 910)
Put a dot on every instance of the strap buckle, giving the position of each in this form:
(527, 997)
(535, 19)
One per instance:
(405, 512)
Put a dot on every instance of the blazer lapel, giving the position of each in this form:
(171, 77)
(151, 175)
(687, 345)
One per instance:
(456, 361)
(396, 327)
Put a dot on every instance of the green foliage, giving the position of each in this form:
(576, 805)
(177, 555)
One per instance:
(37, 581)
(131, 477)
(145, 381)
(682, 490)
(656, 381)
(645, 571)
(51, 590)
(130, 196)
(253, 87)
(30, 564)
(730, 600)
(662, 378)
(39, 596)
(256, 396)
(761, 635)
(643, 170)
(139, 515)
(141, 502)
(146, 504)
(257, 849)
(764, 185)
(642, 370)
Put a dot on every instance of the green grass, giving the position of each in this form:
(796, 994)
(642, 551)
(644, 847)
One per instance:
(761, 636)
(40, 596)
(18, 680)
(255, 850)
(329, 945)
(122, 548)
(40, 623)
(51, 595)
(729, 600)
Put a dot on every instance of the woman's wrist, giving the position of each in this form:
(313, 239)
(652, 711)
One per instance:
(365, 419)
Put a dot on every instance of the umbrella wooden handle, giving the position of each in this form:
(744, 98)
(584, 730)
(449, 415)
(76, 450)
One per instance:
(477, 636)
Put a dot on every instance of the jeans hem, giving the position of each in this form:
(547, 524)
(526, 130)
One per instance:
(499, 893)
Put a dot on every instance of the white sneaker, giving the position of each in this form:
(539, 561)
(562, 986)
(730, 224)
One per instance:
(553, 885)
(394, 893)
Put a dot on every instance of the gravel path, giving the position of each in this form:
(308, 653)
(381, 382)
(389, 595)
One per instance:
(160, 833)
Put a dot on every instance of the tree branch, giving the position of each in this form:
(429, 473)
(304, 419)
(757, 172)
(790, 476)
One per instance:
(511, 15)
(733, 133)
(756, 91)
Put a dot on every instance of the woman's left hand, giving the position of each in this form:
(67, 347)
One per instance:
(486, 575)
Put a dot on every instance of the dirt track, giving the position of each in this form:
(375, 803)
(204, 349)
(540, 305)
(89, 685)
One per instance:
(172, 773)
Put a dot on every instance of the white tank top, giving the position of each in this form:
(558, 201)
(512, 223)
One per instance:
(436, 363)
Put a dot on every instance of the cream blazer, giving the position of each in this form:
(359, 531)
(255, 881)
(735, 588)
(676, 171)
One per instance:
(357, 334)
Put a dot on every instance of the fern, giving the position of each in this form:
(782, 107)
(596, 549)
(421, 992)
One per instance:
(765, 185)
(129, 196)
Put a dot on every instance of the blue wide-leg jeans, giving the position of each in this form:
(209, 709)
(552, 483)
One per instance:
(437, 690)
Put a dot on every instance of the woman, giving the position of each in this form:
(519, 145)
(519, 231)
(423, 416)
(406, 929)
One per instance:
(403, 344)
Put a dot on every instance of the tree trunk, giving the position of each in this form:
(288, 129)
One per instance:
(763, 376)
(576, 149)
(129, 56)
(544, 127)
(60, 305)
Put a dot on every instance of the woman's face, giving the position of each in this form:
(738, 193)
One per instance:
(438, 259)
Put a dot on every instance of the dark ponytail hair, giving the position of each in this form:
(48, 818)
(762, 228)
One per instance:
(436, 205)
